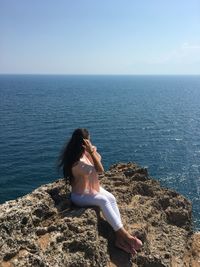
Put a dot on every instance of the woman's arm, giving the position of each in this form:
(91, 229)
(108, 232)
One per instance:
(95, 151)
(97, 162)
(95, 156)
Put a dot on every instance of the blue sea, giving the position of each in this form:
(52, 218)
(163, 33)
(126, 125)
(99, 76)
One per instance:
(151, 120)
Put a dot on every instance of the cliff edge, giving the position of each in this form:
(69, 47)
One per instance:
(43, 228)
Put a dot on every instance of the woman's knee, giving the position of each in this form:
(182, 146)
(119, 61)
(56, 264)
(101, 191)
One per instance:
(102, 201)
(111, 197)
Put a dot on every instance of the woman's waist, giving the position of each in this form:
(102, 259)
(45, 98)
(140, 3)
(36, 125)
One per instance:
(83, 185)
(85, 190)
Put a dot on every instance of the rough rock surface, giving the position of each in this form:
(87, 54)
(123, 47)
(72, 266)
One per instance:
(44, 229)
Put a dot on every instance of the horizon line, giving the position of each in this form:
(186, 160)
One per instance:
(99, 74)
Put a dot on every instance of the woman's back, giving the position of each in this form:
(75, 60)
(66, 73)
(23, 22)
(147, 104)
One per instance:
(85, 177)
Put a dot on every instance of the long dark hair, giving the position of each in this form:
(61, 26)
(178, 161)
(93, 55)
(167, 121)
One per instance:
(72, 152)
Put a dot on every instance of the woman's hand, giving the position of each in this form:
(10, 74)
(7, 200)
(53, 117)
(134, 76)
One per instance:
(88, 146)
(96, 158)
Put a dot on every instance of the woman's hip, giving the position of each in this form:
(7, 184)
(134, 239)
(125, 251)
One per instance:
(82, 199)
(88, 199)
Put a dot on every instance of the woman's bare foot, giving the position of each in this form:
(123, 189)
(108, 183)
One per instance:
(127, 242)
(134, 241)
(137, 243)
(125, 246)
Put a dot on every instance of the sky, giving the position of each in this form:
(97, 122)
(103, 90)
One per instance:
(100, 37)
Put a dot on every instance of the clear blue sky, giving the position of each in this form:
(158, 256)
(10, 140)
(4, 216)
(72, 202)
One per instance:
(100, 36)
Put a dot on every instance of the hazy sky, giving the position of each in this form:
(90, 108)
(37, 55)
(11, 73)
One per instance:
(100, 36)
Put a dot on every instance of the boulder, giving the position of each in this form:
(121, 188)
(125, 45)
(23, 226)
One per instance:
(44, 229)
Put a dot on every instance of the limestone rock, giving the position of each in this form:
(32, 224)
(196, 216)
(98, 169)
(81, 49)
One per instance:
(44, 229)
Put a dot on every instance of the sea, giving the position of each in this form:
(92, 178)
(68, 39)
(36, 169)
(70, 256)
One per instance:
(148, 119)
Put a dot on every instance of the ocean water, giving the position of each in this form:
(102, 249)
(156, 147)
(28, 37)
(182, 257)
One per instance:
(151, 120)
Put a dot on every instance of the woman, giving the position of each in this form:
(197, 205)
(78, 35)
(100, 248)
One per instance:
(81, 163)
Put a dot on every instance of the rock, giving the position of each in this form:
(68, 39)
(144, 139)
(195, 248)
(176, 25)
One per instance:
(45, 229)
(9, 255)
(192, 256)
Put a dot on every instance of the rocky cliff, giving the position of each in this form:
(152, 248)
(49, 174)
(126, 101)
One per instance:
(43, 228)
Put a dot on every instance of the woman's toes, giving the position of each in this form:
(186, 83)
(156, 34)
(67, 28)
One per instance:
(134, 242)
(124, 247)
(137, 243)
(133, 251)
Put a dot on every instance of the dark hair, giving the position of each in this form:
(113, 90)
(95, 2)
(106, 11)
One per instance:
(72, 152)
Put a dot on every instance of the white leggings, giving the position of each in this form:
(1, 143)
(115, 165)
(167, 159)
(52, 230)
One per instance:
(107, 203)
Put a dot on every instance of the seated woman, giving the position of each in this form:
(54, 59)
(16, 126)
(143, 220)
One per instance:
(81, 163)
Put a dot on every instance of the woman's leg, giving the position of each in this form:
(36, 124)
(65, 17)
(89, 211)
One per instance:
(103, 202)
(122, 236)
(123, 239)
(112, 200)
